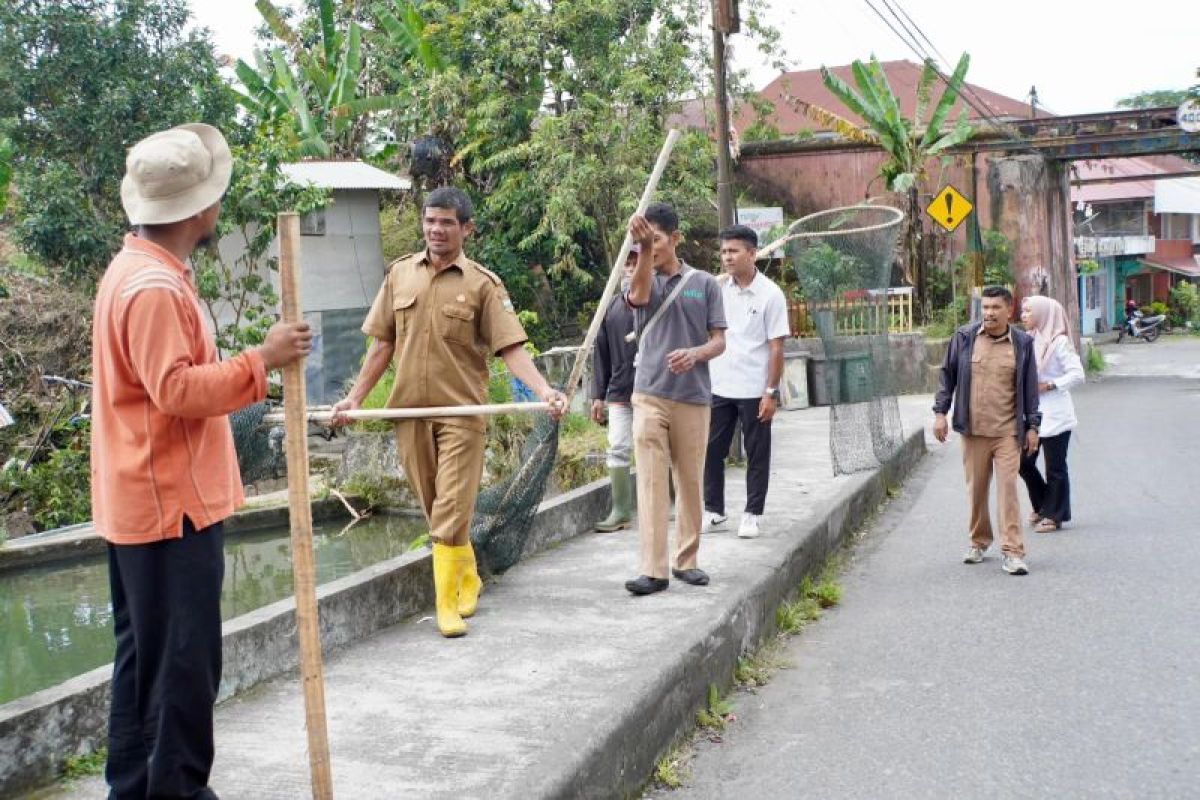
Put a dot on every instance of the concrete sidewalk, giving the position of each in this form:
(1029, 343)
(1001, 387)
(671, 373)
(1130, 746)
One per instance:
(567, 686)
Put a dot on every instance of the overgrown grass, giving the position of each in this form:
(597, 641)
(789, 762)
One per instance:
(671, 770)
(1094, 364)
(715, 715)
(85, 765)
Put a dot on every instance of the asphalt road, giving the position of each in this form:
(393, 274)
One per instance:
(939, 679)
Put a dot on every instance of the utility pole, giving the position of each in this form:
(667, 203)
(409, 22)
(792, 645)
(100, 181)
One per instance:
(725, 21)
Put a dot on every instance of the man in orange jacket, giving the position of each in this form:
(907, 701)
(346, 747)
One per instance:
(164, 470)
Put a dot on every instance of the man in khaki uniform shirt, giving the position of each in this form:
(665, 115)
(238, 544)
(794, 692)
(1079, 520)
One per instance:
(991, 374)
(440, 315)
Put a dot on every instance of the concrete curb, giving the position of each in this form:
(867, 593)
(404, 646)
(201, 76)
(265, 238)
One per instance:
(40, 731)
(617, 759)
(80, 541)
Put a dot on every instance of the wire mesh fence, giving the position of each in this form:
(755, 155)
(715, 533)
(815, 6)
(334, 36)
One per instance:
(840, 253)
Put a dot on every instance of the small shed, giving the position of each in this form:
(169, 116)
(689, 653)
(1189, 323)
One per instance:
(341, 266)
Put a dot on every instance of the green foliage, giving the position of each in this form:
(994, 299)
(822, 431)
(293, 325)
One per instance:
(56, 487)
(7, 153)
(946, 320)
(716, 714)
(1156, 98)
(323, 92)
(86, 764)
(241, 289)
(793, 615)
(1088, 266)
(370, 489)
(581, 447)
(1155, 308)
(1185, 304)
(909, 144)
(552, 121)
(670, 770)
(825, 272)
(79, 83)
(989, 266)
(1094, 364)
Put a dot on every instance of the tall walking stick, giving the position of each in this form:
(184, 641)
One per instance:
(614, 277)
(304, 572)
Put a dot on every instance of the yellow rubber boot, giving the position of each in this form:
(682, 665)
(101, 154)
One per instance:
(447, 577)
(468, 592)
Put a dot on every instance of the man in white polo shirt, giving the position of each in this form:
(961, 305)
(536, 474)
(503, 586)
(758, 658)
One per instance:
(745, 379)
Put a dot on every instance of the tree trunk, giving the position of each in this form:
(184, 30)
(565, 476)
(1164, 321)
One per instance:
(1031, 206)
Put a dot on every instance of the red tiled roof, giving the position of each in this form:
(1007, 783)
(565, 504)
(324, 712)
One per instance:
(806, 85)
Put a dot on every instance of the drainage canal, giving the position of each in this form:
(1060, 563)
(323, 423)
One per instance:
(56, 619)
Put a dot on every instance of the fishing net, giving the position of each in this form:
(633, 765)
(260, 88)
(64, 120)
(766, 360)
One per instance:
(259, 446)
(843, 260)
(504, 512)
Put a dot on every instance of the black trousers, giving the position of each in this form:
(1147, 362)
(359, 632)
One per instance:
(756, 436)
(166, 599)
(1050, 496)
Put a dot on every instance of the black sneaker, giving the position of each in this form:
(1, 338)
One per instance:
(644, 584)
(696, 577)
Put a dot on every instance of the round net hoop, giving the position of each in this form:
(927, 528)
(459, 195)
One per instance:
(843, 259)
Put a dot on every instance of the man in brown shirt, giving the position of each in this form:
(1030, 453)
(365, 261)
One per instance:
(439, 315)
(991, 374)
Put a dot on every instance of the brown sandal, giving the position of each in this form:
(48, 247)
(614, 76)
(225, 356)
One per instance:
(1048, 526)
(1035, 518)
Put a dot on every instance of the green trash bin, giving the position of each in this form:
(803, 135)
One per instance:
(858, 378)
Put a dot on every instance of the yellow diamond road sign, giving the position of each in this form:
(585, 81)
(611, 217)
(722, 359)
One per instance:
(949, 208)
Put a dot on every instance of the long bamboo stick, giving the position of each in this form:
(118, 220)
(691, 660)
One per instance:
(614, 276)
(300, 515)
(423, 412)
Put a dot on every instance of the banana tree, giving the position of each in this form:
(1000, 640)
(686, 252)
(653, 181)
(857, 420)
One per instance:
(321, 90)
(909, 143)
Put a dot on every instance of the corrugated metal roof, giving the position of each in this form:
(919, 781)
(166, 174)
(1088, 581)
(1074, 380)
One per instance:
(344, 175)
(1116, 168)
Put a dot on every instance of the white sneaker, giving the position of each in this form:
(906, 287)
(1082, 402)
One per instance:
(712, 521)
(1015, 565)
(749, 527)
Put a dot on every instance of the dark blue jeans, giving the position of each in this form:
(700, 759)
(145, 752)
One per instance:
(166, 599)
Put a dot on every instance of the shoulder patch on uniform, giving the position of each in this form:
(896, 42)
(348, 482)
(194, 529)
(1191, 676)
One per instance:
(493, 277)
(402, 260)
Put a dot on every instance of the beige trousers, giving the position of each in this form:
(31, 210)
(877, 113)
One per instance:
(669, 440)
(444, 464)
(980, 453)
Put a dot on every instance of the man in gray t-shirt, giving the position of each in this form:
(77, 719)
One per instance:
(681, 327)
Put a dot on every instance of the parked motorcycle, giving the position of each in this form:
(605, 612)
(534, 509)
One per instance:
(1139, 326)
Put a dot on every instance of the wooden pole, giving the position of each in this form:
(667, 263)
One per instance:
(614, 276)
(423, 412)
(725, 211)
(300, 507)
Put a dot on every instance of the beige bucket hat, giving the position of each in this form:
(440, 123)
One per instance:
(175, 174)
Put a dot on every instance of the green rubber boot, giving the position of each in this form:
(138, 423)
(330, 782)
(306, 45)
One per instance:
(621, 515)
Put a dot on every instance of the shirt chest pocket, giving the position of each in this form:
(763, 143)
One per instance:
(404, 306)
(753, 324)
(457, 324)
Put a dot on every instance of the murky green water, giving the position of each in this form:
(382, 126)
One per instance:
(56, 620)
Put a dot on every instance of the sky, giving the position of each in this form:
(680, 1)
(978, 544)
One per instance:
(1082, 57)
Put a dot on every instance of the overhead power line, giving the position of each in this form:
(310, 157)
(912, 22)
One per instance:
(966, 92)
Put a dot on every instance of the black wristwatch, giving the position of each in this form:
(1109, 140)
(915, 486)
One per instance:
(773, 393)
